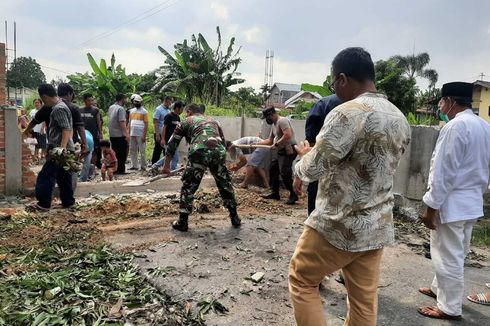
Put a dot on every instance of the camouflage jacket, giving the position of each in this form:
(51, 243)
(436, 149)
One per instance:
(201, 133)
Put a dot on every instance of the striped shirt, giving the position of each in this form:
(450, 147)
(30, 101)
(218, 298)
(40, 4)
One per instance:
(60, 120)
(138, 117)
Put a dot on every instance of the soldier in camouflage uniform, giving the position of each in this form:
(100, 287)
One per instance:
(207, 150)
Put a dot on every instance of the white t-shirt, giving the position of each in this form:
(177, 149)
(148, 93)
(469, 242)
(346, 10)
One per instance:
(31, 143)
(37, 128)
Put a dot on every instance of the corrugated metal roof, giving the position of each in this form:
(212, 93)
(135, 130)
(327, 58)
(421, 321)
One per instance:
(482, 83)
(298, 95)
(288, 87)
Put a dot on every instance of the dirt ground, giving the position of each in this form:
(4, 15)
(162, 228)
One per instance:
(215, 262)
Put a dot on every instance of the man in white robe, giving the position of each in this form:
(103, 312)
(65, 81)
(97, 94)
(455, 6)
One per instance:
(458, 178)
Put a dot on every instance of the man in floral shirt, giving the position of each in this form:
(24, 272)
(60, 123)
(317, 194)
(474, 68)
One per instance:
(354, 159)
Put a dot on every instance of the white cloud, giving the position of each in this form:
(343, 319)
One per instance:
(220, 10)
(254, 35)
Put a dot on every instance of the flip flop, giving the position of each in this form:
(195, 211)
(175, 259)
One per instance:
(481, 298)
(428, 292)
(35, 207)
(487, 285)
(436, 313)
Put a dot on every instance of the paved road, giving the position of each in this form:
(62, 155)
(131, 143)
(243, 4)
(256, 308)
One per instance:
(213, 259)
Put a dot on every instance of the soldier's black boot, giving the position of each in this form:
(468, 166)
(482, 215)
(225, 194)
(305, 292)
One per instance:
(181, 223)
(272, 195)
(293, 198)
(235, 220)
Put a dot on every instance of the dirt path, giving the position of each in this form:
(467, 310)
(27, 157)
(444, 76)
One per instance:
(214, 260)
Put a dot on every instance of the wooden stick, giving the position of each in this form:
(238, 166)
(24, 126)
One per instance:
(252, 146)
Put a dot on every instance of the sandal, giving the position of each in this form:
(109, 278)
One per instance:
(436, 313)
(487, 285)
(480, 298)
(35, 207)
(428, 292)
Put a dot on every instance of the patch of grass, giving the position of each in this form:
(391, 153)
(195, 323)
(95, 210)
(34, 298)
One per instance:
(481, 233)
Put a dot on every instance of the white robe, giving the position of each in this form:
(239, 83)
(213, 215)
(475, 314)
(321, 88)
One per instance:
(458, 179)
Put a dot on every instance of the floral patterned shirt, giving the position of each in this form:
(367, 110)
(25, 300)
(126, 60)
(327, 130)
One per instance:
(355, 156)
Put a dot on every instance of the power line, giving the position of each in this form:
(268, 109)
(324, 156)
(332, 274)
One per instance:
(130, 21)
(142, 16)
(146, 14)
(65, 72)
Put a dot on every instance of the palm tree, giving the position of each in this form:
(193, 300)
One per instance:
(414, 66)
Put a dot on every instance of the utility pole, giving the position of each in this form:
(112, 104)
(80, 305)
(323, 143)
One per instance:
(7, 61)
(15, 56)
(481, 76)
(269, 70)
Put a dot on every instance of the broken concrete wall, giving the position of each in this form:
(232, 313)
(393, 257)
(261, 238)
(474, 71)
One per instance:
(411, 177)
(410, 180)
(15, 174)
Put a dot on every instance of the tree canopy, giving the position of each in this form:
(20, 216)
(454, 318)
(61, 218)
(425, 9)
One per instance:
(400, 89)
(105, 82)
(415, 66)
(25, 72)
(196, 71)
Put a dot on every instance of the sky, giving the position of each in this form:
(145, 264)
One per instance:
(304, 35)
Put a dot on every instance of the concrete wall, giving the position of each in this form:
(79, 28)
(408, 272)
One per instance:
(15, 174)
(232, 127)
(411, 176)
(410, 179)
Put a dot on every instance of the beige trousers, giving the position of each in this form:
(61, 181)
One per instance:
(313, 259)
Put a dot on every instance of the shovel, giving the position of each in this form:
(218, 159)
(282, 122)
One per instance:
(136, 183)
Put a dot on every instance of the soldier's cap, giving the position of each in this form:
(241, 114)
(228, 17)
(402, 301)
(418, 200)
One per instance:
(268, 112)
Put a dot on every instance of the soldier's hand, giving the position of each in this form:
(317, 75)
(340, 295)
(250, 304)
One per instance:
(297, 185)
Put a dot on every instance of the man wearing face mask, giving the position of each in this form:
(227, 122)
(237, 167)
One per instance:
(282, 141)
(458, 178)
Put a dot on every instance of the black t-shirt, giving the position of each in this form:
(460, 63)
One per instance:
(171, 120)
(43, 115)
(90, 117)
(76, 118)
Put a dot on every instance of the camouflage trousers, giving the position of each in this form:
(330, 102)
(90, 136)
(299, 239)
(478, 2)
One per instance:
(197, 165)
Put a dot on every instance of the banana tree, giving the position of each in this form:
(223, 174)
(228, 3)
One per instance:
(197, 71)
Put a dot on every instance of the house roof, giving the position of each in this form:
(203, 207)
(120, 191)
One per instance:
(287, 87)
(298, 96)
(482, 83)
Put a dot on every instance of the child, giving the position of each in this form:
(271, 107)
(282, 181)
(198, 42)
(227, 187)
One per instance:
(109, 161)
(31, 143)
